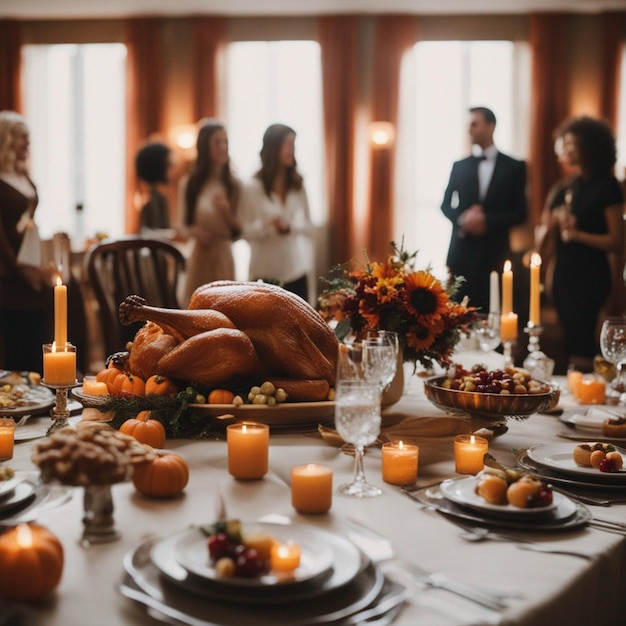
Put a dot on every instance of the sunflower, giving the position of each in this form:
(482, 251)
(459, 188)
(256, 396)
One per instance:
(420, 337)
(425, 296)
(386, 289)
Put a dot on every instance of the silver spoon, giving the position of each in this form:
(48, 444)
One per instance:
(481, 534)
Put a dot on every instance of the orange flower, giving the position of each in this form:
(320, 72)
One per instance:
(425, 296)
(420, 338)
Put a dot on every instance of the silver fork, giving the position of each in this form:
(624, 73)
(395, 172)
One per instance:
(379, 549)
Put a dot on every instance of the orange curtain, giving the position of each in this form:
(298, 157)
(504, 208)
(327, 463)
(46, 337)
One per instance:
(10, 65)
(208, 39)
(144, 98)
(549, 103)
(613, 37)
(337, 36)
(395, 35)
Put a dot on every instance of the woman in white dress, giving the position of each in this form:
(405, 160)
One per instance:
(210, 195)
(275, 215)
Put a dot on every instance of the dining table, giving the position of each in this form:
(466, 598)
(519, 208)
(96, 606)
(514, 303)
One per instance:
(579, 580)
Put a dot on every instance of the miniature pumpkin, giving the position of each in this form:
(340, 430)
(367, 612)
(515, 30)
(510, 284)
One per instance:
(130, 385)
(160, 386)
(145, 430)
(109, 376)
(164, 477)
(221, 396)
(31, 562)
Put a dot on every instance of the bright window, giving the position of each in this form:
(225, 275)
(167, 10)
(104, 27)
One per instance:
(440, 82)
(74, 97)
(276, 82)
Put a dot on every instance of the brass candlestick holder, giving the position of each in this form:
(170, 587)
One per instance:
(59, 412)
(537, 363)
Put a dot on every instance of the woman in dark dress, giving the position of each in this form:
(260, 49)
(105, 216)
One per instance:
(153, 163)
(26, 300)
(583, 222)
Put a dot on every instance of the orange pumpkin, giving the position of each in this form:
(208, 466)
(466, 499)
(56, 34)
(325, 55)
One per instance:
(145, 430)
(164, 477)
(31, 562)
(160, 386)
(130, 385)
(109, 376)
(221, 396)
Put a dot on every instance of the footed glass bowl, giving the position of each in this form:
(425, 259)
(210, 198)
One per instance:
(490, 406)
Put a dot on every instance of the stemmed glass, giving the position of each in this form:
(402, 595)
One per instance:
(380, 357)
(357, 414)
(487, 331)
(613, 346)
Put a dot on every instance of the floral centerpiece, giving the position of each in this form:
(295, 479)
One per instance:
(395, 295)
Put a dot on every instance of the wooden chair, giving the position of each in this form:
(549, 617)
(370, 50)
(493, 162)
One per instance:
(117, 268)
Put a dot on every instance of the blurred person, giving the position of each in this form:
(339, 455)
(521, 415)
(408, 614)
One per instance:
(26, 296)
(153, 164)
(275, 216)
(484, 199)
(582, 223)
(210, 197)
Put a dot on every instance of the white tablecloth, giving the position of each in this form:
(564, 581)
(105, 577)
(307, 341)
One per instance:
(553, 589)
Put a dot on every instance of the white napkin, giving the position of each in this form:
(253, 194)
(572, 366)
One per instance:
(593, 419)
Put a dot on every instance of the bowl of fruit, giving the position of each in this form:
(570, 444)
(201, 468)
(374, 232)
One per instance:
(494, 395)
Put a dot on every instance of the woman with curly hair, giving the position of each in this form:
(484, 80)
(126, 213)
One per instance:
(275, 215)
(25, 289)
(209, 198)
(583, 222)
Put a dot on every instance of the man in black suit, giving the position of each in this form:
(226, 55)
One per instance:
(485, 197)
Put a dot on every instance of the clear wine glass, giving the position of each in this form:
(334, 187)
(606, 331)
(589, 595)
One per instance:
(380, 357)
(613, 346)
(486, 329)
(357, 420)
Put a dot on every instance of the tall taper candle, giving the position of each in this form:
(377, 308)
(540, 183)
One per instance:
(494, 293)
(534, 315)
(507, 289)
(60, 315)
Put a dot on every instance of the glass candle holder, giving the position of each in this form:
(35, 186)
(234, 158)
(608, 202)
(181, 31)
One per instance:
(7, 438)
(311, 488)
(59, 364)
(248, 450)
(399, 463)
(469, 453)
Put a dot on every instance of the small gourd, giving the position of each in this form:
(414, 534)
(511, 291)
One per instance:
(31, 562)
(165, 476)
(220, 396)
(145, 430)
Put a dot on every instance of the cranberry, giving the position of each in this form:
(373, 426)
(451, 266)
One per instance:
(607, 465)
(219, 546)
(545, 496)
(249, 564)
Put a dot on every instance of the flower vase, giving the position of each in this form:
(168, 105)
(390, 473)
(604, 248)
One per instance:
(395, 389)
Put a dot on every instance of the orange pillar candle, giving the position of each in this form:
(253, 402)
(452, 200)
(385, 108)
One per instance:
(507, 288)
(534, 315)
(59, 364)
(7, 438)
(60, 314)
(400, 463)
(92, 387)
(508, 326)
(574, 377)
(469, 453)
(248, 450)
(285, 557)
(591, 390)
(311, 488)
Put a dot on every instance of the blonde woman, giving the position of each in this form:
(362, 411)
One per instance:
(25, 289)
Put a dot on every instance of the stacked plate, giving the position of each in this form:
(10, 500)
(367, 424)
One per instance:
(588, 425)
(15, 494)
(334, 580)
(555, 462)
(458, 498)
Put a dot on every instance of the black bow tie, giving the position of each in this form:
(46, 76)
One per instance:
(481, 157)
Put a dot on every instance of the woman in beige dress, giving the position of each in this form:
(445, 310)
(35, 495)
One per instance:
(210, 197)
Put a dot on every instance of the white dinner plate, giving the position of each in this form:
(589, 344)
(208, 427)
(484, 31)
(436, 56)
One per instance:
(23, 492)
(348, 562)
(463, 491)
(559, 458)
(316, 558)
(33, 399)
(7, 486)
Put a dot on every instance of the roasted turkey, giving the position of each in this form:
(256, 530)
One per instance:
(233, 331)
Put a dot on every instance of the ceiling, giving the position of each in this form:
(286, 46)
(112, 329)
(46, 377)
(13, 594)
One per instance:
(72, 9)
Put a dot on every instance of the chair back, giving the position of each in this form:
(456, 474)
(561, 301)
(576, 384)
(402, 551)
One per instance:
(117, 268)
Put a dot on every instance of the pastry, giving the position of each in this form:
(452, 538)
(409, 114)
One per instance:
(614, 427)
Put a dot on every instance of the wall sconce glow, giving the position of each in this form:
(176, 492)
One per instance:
(184, 136)
(381, 135)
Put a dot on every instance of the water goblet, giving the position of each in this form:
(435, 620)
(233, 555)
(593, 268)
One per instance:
(613, 347)
(357, 420)
(487, 331)
(380, 357)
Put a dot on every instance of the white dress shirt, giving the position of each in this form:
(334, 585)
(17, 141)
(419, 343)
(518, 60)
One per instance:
(485, 169)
